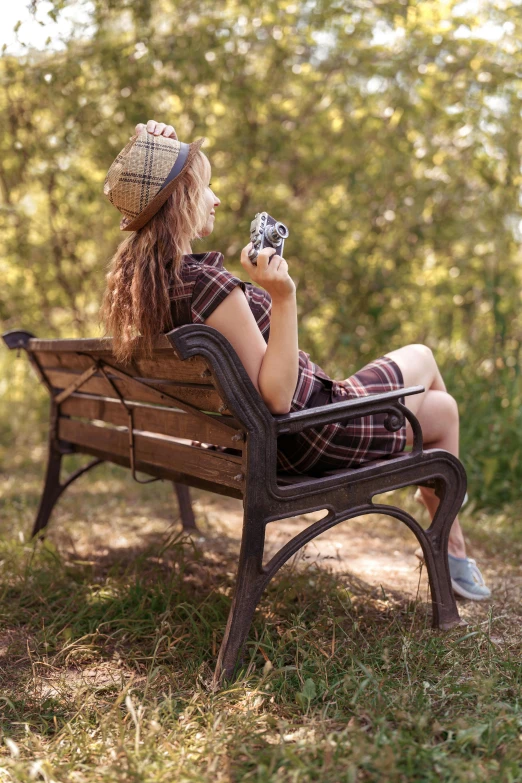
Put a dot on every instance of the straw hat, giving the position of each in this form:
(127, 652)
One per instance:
(144, 174)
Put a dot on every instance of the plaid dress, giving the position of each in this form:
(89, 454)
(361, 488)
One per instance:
(205, 283)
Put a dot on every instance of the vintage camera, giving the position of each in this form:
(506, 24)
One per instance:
(266, 232)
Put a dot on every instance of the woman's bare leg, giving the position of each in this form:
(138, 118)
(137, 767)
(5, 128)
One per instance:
(438, 416)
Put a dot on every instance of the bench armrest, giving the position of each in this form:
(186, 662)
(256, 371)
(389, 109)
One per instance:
(337, 412)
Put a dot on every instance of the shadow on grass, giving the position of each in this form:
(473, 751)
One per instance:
(161, 608)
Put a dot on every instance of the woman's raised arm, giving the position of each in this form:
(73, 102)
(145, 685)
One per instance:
(273, 367)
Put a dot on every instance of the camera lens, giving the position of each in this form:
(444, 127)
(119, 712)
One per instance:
(276, 232)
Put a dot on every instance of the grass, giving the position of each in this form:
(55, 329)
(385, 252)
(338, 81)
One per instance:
(111, 627)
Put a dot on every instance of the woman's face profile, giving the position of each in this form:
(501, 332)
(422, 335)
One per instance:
(211, 202)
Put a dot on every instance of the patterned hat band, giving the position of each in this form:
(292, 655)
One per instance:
(179, 164)
(143, 175)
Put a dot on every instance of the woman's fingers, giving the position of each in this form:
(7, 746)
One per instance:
(271, 271)
(157, 129)
(160, 127)
(280, 265)
(268, 265)
(169, 132)
(245, 261)
(264, 257)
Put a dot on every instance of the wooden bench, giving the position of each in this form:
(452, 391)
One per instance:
(146, 415)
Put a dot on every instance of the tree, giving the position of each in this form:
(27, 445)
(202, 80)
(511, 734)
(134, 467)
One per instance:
(384, 133)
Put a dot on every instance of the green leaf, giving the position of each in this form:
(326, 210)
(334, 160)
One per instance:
(471, 736)
(307, 695)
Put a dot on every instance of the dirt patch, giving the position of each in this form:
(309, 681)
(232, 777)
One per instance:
(379, 551)
(374, 548)
(102, 676)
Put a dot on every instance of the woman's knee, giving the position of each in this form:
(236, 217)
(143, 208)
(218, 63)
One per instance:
(429, 366)
(442, 406)
(442, 409)
(438, 416)
(424, 353)
(416, 351)
(452, 406)
(417, 364)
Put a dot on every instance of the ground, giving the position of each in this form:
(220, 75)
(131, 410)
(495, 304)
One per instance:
(110, 629)
(378, 550)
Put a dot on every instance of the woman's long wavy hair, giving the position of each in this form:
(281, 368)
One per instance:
(136, 301)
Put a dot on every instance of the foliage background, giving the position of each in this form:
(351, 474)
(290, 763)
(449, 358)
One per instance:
(385, 133)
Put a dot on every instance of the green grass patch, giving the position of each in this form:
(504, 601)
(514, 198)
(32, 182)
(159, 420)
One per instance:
(107, 652)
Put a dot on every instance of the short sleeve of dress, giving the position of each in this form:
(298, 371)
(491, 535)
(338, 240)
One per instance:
(211, 287)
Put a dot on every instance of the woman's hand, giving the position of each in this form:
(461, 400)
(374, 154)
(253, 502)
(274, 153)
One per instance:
(271, 272)
(157, 129)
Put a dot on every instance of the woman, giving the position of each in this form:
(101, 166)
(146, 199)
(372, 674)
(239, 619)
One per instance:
(162, 187)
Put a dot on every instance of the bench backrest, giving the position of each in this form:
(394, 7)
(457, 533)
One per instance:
(171, 401)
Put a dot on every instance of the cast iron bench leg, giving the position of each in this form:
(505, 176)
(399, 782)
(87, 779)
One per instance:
(51, 492)
(53, 487)
(250, 583)
(451, 490)
(185, 507)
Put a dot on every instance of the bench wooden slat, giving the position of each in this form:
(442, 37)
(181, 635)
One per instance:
(204, 397)
(165, 366)
(160, 343)
(154, 450)
(165, 473)
(152, 419)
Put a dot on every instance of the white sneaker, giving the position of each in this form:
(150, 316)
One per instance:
(466, 579)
